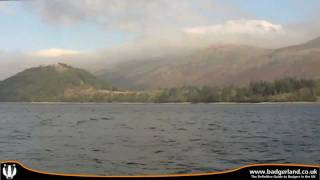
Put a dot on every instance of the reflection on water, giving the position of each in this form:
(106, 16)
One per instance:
(120, 139)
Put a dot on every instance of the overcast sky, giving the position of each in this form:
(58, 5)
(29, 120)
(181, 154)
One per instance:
(37, 32)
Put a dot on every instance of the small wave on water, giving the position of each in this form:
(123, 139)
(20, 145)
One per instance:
(113, 139)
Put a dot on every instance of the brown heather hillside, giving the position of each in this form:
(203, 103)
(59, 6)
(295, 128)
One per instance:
(219, 65)
(298, 63)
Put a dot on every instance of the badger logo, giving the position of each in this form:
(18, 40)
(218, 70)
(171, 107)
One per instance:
(9, 171)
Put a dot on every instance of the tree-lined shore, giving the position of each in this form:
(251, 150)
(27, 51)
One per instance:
(284, 90)
(63, 83)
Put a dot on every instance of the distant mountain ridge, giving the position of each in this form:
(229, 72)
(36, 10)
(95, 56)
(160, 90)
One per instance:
(214, 66)
(63, 83)
(48, 83)
(219, 65)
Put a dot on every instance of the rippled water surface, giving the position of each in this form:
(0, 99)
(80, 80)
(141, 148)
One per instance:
(122, 139)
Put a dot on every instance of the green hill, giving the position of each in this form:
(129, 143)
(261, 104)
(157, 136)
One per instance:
(48, 83)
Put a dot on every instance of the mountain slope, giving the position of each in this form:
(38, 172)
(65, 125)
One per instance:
(219, 65)
(47, 83)
(312, 44)
(208, 66)
(299, 61)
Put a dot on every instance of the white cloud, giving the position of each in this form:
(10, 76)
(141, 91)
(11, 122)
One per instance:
(5, 9)
(253, 32)
(243, 26)
(54, 52)
(169, 22)
(140, 16)
(173, 20)
(128, 15)
(161, 27)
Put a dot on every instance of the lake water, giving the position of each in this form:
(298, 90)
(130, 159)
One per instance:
(126, 139)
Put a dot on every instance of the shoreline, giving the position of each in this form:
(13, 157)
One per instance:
(182, 103)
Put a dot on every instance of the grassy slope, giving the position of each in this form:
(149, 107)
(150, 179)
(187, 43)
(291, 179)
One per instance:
(46, 83)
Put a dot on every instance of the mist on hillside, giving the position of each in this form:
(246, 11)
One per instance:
(156, 30)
